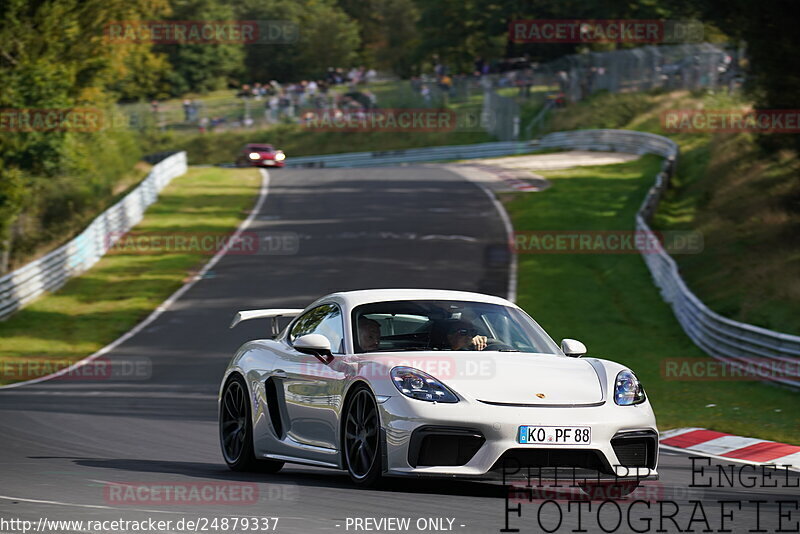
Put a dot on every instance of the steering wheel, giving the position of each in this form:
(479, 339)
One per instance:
(496, 344)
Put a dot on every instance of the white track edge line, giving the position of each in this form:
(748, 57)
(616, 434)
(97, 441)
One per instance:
(126, 509)
(512, 265)
(164, 306)
(93, 506)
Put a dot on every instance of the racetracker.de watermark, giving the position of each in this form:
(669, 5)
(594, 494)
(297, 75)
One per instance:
(755, 368)
(102, 368)
(180, 493)
(606, 242)
(731, 121)
(570, 490)
(201, 32)
(442, 367)
(206, 243)
(382, 120)
(51, 120)
(605, 31)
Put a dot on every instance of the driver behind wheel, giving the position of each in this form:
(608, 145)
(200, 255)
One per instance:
(369, 334)
(458, 334)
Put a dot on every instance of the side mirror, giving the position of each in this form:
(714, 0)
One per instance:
(316, 345)
(573, 348)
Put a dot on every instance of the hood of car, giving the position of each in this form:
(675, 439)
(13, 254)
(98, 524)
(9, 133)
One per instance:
(515, 378)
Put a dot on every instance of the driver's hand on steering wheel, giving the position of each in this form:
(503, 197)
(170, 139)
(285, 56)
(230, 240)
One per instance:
(479, 342)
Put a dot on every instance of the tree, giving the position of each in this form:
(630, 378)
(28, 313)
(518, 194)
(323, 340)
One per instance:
(12, 194)
(206, 66)
(326, 37)
(54, 55)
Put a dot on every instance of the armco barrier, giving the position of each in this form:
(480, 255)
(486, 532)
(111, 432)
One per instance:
(411, 155)
(741, 345)
(50, 272)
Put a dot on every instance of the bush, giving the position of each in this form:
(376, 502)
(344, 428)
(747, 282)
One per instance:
(91, 168)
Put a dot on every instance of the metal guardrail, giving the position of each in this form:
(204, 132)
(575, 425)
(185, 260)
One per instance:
(50, 272)
(411, 155)
(772, 355)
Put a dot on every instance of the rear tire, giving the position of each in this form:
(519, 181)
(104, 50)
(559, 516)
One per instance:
(361, 443)
(609, 491)
(236, 430)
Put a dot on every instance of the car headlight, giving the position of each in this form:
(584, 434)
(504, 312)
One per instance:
(255, 155)
(280, 156)
(627, 389)
(421, 386)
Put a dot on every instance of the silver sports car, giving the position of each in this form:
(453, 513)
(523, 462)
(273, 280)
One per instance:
(413, 382)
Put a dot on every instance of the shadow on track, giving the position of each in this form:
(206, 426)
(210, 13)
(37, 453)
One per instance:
(321, 478)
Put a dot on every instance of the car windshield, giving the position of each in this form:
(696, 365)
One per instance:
(447, 325)
(260, 148)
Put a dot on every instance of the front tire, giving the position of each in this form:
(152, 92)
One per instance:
(236, 429)
(361, 440)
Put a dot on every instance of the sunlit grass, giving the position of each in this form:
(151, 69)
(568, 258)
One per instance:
(742, 202)
(609, 302)
(95, 308)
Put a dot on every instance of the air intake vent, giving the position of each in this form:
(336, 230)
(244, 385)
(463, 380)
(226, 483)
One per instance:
(443, 446)
(636, 449)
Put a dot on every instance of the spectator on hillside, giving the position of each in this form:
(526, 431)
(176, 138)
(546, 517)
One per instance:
(271, 109)
(524, 82)
(285, 106)
(445, 84)
(426, 94)
(563, 80)
(439, 69)
(479, 63)
(373, 100)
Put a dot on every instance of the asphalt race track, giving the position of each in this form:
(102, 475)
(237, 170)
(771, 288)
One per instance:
(65, 443)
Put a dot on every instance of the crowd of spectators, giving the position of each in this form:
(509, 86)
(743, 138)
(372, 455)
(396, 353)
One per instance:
(346, 91)
(514, 72)
(284, 101)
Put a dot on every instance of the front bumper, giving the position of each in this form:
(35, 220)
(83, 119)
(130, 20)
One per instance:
(268, 163)
(482, 439)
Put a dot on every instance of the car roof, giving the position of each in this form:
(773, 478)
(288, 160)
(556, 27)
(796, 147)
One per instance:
(258, 145)
(351, 299)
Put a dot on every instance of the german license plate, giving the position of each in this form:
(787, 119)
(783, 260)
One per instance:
(555, 435)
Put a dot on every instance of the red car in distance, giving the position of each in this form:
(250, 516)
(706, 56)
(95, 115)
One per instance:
(259, 155)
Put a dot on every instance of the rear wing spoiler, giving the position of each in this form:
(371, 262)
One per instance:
(272, 313)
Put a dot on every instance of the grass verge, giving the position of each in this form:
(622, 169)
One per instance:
(97, 307)
(609, 302)
(745, 204)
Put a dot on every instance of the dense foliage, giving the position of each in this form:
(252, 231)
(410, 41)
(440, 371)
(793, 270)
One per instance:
(55, 54)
